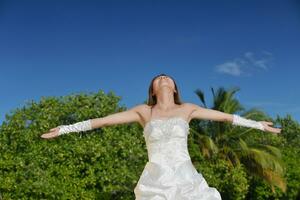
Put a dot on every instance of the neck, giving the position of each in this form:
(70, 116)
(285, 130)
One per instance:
(165, 100)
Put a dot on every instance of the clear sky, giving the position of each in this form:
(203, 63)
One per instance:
(55, 48)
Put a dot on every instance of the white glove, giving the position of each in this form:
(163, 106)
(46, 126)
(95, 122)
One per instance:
(241, 121)
(77, 127)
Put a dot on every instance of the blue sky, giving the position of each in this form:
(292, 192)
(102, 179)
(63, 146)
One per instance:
(56, 48)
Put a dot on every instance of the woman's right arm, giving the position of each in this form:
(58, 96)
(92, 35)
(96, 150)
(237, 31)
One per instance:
(131, 115)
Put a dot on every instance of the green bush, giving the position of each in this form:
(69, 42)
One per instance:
(230, 181)
(289, 144)
(100, 164)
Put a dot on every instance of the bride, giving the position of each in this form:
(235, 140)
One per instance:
(169, 174)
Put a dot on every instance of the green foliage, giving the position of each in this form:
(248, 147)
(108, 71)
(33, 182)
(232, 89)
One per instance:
(265, 158)
(288, 144)
(100, 164)
(230, 181)
(230, 142)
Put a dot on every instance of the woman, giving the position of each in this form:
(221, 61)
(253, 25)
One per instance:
(169, 174)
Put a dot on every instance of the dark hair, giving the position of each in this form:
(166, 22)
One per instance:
(152, 98)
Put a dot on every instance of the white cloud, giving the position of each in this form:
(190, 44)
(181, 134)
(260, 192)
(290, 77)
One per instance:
(262, 62)
(248, 62)
(231, 68)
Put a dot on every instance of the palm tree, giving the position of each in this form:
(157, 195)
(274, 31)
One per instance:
(228, 141)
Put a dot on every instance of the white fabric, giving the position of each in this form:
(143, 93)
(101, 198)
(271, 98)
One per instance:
(241, 121)
(77, 127)
(169, 174)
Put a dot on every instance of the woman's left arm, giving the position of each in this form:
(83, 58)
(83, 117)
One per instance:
(199, 112)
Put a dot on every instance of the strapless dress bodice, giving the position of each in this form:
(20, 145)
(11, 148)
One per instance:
(166, 141)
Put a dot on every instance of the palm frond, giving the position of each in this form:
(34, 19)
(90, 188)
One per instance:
(264, 165)
(275, 180)
(200, 94)
(207, 145)
(270, 149)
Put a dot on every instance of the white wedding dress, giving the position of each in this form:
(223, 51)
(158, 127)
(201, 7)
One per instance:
(169, 174)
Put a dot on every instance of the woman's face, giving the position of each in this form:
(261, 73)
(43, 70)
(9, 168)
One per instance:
(163, 81)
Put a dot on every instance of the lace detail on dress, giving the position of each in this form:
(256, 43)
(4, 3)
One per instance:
(166, 123)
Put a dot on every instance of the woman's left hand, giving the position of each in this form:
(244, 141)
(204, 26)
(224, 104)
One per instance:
(268, 127)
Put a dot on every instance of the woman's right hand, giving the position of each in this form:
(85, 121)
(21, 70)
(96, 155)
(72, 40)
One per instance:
(52, 134)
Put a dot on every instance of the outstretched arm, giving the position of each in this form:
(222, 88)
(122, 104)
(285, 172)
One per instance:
(131, 115)
(199, 112)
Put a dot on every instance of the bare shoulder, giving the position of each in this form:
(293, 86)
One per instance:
(142, 110)
(192, 109)
(190, 106)
(140, 107)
